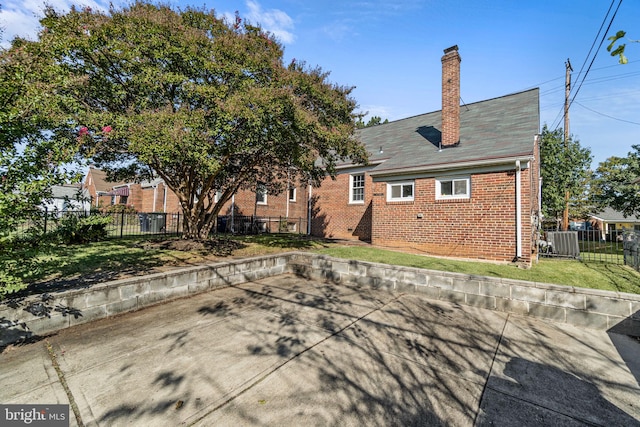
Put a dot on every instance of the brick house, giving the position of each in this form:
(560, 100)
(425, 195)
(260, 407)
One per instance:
(460, 182)
(152, 196)
(155, 196)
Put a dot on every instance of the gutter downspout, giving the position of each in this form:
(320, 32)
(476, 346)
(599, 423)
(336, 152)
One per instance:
(518, 212)
(288, 190)
(233, 209)
(309, 210)
(164, 197)
(155, 196)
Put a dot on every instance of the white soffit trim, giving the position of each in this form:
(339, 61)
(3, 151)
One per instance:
(475, 166)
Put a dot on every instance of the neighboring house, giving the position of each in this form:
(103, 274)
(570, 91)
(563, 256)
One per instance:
(152, 196)
(101, 190)
(613, 223)
(68, 198)
(461, 182)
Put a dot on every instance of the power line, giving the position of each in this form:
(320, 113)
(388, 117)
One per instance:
(584, 76)
(606, 115)
(604, 35)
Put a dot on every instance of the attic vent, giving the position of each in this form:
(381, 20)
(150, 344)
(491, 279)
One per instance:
(564, 243)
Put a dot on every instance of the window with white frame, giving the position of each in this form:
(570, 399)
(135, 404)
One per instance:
(453, 188)
(261, 194)
(356, 188)
(292, 194)
(400, 191)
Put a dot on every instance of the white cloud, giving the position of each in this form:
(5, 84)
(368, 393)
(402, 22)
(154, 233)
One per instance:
(275, 21)
(22, 18)
(377, 110)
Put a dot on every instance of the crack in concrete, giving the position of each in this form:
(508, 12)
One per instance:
(63, 382)
(295, 356)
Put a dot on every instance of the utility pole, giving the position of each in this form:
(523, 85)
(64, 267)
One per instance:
(567, 90)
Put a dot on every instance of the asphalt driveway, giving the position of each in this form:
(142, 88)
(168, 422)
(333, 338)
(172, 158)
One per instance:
(290, 351)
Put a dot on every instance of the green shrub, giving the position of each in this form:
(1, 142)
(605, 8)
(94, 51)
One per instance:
(73, 229)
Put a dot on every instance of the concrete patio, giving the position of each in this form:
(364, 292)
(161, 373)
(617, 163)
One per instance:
(291, 351)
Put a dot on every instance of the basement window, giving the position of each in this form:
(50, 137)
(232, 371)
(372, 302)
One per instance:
(400, 191)
(453, 188)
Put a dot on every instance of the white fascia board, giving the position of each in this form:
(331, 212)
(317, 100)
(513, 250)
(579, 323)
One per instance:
(474, 166)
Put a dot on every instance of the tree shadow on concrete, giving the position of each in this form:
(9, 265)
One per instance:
(625, 336)
(287, 350)
(534, 394)
(366, 371)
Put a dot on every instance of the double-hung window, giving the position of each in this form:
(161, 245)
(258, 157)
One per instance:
(400, 191)
(356, 188)
(453, 188)
(261, 194)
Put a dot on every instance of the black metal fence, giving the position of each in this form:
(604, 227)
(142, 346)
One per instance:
(160, 223)
(616, 247)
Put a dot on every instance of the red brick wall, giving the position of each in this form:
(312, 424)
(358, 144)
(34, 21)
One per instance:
(332, 214)
(276, 205)
(481, 227)
(451, 97)
(135, 197)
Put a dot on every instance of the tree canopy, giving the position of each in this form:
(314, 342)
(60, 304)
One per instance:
(373, 121)
(564, 167)
(207, 105)
(617, 183)
(35, 142)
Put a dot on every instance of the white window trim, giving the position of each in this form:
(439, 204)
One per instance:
(390, 198)
(351, 201)
(295, 193)
(439, 195)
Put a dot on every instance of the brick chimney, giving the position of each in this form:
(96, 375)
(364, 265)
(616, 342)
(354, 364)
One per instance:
(450, 97)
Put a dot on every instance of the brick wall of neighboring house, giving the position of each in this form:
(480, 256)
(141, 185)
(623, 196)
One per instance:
(482, 227)
(332, 214)
(154, 199)
(276, 205)
(135, 197)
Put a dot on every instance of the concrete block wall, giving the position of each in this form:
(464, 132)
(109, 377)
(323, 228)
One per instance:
(36, 316)
(589, 308)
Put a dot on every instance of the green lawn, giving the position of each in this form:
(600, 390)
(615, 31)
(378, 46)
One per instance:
(70, 265)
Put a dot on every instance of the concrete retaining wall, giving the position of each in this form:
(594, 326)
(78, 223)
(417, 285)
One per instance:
(582, 307)
(38, 315)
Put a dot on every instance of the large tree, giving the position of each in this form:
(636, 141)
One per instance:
(207, 105)
(564, 168)
(617, 183)
(36, 144)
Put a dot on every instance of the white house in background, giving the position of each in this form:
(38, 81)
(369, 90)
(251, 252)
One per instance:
(68, 198)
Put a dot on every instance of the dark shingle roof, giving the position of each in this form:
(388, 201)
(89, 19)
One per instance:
(498, 128)
(100, 180)
(611, 215)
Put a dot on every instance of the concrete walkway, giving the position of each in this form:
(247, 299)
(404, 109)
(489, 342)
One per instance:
(288, 351)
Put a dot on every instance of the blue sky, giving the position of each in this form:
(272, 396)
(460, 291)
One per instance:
(390, 51)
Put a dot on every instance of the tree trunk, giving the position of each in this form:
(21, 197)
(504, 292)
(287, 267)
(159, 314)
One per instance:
(197, 225)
